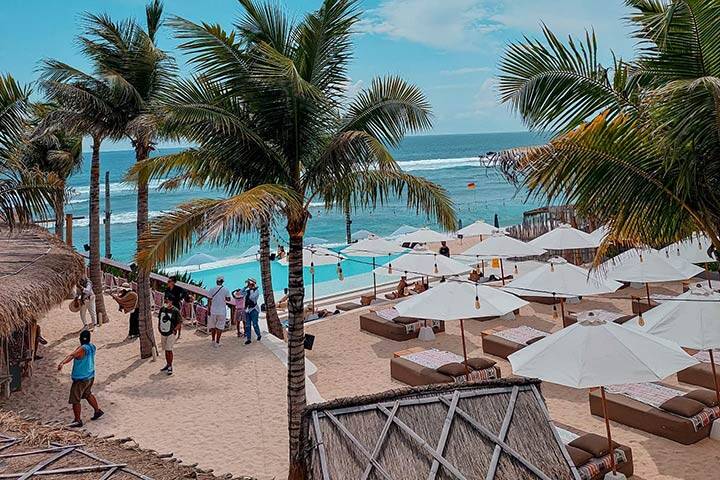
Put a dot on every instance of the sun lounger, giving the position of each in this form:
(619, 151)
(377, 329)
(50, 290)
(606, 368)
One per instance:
(700, 374)
(503, 342)
(348, 306)
(590, 462)
(618, 318)
(201, 314)
(421, 368)
(400, 329)
(637, 406)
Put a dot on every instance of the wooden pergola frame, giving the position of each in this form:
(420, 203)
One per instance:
(390, 410)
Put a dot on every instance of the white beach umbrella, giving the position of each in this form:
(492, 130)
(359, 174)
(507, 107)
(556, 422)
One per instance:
(560, 279)
(402, 230)
(592, 354)
(426, 264)
(565, 237)
(316, 256)
(314, 241)
(373, 247)
(362, 235)
(422, 235)
(252, 251)
(499, 245)
(600, 233)
(199, 259)
(477, 229)
(455, 300)
(691, 319)
(693, 249)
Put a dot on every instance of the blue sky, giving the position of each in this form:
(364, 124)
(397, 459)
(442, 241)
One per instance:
(450, 48)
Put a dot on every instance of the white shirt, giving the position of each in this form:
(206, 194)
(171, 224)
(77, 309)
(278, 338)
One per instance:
(219, 294)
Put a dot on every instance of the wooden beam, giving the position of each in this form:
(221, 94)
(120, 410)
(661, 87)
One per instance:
(65, 471)
(426, 446)
(503, 433)
(36, 452)
(110, 473)
(507, 448)
(381, 440)
(34, 470)
(444, 435)
(321, 447)
(358, 445)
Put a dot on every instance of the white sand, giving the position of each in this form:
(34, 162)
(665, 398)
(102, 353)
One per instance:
(226, 409)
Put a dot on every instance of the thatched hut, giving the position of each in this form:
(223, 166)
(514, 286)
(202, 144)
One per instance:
(499, 429)
(37, 272)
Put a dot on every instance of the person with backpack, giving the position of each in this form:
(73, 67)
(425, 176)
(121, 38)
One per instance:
(83, 377)
(168, 326)
(217, 321)
(252, 310)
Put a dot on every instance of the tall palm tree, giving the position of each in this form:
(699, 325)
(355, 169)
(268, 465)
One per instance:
(295, 131)
(638, 140)
(23, 192)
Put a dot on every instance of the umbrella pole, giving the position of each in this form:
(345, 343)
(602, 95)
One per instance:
(707, 274)
(562, 311)
(483, 267)
(717, 385)
(647, 289)
(313, 290)
(502, 272)
(462, 334)
(607, 427)
(374, 280)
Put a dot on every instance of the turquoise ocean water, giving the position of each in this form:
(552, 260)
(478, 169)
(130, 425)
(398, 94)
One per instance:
(449, 160)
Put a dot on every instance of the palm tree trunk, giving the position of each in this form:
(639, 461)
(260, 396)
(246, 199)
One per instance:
(296, 348)
(59, 209)
(95, 271)
(147, 332)
(271, 315)
(348, 224)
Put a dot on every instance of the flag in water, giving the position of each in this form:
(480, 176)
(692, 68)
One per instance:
(471, 186)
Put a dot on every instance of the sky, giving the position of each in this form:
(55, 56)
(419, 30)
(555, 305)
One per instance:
(449, 48)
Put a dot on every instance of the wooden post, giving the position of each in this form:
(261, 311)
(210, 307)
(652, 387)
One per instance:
(68, 229)
(374, 279)
(462, 334)
(108, 213)
(647, 289)
(502, 272)
(607, 427)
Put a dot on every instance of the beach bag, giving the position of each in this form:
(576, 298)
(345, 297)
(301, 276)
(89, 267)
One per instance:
(165, 322)
(74, 306)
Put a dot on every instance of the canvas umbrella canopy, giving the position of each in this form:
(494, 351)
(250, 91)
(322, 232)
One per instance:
(362, 235)
(600, 233)
(453, 300)
(252, 251)
(500, 246)
(426, 264)
(402, 230)
(199, 259)
(649, 266)
(561, 279)
(595, 353)
(373, 247)
(314, 241)
(422, 235)
(692, 320)
(477, 229)
(693, 249)
(565, 237)
(316, 256)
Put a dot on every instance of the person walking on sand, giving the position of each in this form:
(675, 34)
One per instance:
(86, 299)
(169, 328)
(217, 321)
(83, 377)
(252, 310)
(127, 302)
(239, 298)
(444, 249)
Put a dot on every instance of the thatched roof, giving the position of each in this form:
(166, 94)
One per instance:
(37, 272)
(499, 429)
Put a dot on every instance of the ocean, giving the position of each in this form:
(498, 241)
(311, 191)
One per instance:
(452, 161)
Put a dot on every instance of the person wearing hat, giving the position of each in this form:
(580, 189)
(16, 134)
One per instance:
(252, 310)
(84, 302)
(217, 320)
(127, 301)
(239, 298)
(83, 377)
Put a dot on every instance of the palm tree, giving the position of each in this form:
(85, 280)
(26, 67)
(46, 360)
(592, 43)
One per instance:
(295, 131)
(23, 192)
(639, 140)
(125, 56)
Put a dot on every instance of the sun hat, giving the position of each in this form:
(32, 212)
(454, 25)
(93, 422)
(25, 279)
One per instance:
(219, 278)
(251, 280)
(126, 286)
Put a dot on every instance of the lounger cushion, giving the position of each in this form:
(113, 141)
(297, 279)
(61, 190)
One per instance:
(533, 340)
(453, 369)
(480, 363)
(685, 407)
(405, 320)
(594, 444)
(706, 397)
(578, 456)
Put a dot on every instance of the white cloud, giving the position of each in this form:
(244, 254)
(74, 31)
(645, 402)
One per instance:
(447, 24)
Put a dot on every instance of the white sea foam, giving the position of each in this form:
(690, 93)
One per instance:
(442, 163)
(117, 218)
(115, 187)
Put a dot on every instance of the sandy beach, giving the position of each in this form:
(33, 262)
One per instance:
(225, 409)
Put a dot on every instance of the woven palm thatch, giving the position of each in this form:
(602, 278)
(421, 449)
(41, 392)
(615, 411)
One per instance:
(496, 430)
(37, 272)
